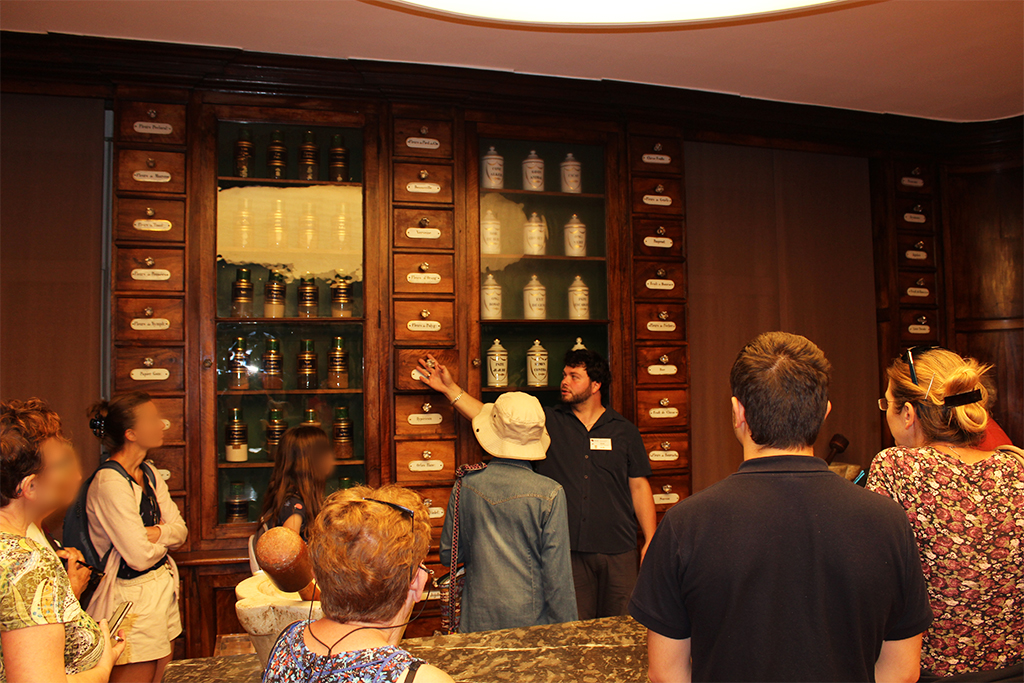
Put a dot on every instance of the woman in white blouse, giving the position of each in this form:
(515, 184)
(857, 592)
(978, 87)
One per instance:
(131, 514)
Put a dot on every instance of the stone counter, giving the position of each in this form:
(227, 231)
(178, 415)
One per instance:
(598, 651)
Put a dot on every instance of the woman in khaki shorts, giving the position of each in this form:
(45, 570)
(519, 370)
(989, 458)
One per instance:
(131, 514)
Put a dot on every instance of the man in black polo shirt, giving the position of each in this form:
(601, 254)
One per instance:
(599, 459)
(783, 571)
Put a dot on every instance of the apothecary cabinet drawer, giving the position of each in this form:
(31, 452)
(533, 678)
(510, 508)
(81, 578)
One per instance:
(143, 170)
(436, 502)
(669, 489)
(915, 251)
(655, 154)
(657, 195)
(658, 238)
(917, 289)
(660, 322)
(662, 409)
(423, 415)
(149, 368)
(659, 280)
(138, 319)
(667, 451)
(661, 365)
(424, 460)
(172, 410)
(152, 220)
(424, 274)
(423, 229)
(149, 269)
(420, 321)
(408, 360)
(153, 122)
(919, 325)
(423, 138)
(431, 183)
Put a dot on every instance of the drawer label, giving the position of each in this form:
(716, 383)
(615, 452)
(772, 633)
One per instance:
(918, 291)
(423, 143)
(423, 325)
(167, 423)
(917, 255)
(919, 329)
(419, 187)
(909, 181)
(658, 242)
(416, 374)
(914, 217)
(152, 128)
(662, 369)
(151, 176)
(151, 274)
(663, 456)
(164, 474)
(423, 233)
(426, 465)
(147, 324)
(656, 159)
(661, 326)
(666, 498)
(149, 374)
(656, 283)
(151, 225)
(657, 200)
(435, 513)
(425, 418)
(423, 278)
(661, 413)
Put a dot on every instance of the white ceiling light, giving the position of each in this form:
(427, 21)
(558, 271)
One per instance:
(608, 13)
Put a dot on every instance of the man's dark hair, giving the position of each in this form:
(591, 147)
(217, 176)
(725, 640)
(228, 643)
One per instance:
(596, 367)
(782, 381)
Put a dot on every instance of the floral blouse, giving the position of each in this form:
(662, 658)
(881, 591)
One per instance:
(969, 525)
(292, 662)
(34, 590)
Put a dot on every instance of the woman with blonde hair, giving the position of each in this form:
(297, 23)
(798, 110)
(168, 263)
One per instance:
(367, 547)
(966, 506)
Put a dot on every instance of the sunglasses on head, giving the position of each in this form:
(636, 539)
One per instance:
(908, 358)
(405, 512)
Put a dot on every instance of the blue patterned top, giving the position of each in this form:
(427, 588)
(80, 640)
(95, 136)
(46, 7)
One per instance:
(291, 662)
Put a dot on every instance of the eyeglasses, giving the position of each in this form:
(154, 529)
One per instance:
(883, 404)
(908, 358)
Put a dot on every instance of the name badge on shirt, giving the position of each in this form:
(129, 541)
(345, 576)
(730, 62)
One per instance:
(600, 444)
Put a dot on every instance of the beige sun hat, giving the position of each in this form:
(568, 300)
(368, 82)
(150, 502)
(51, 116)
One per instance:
(513, 427)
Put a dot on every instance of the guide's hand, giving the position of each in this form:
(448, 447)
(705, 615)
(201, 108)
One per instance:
(437, 377)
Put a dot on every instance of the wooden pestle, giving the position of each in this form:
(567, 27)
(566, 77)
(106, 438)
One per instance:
(284, 556)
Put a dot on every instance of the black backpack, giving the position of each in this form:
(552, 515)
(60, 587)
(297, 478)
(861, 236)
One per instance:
(76, 525)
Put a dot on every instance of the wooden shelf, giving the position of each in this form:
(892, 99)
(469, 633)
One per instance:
(500, 390)
(582, 195)
(282, 182)
(284, 392)
(253, 464)
(321, 320)
(536, 257)
(546, 321)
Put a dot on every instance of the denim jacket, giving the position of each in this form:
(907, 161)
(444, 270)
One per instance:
(514, 542)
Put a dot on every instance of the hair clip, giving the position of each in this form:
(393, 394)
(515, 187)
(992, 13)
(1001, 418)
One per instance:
(98, 425)
(962, 399)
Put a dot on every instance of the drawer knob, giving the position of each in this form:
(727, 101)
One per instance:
(918, 208)
(427, 502)
(424, 267)
(476, 362)
(431, 363)
(660, 231)
(424, 314)
(151, 113)
(916, 171)
(662, 315)
(663, 359)
(667, 488)
(919, 245)
(151, 163)
(423, 174)
(424, 130)
(920, 282)
(660, 273)
(921, 319)
(424, 222)
(148, 362)
(659, 189)
(426, 407)
(663, 402)
(149, 261)
(148, 311)
(426, 455)
(658, 147)
(207, 363)
(665, 445)
(150, 212)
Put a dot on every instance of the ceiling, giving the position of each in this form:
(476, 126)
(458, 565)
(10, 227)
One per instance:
(954, 60)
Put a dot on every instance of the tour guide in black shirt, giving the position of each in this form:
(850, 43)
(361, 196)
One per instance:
(784, 571)
(599, 459)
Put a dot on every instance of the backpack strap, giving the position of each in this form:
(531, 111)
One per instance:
(111, 464)
(454, 586)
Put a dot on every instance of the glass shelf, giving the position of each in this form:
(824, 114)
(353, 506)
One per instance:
(540, 193)
(232, 181)
(245, 465)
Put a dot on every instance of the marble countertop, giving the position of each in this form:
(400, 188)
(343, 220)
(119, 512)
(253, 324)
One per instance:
(611, 649)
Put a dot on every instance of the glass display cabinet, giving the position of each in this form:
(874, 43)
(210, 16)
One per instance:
(543, 260)
(287, 315)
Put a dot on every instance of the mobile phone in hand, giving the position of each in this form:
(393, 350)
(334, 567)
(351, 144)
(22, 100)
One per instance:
(119, 614)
